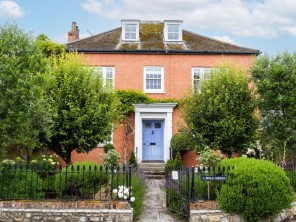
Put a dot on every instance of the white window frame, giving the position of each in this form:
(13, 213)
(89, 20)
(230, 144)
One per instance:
(204, 74)
(161, 90)
(169, 23)
(103, 71)
(128, 23)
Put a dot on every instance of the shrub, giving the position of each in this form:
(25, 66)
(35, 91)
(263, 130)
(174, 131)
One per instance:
(132, 161)
(80, 180)
(182, 142)
(256, 189)
(108, 147)
(210, 157)
(178, 161)
(111, 159)
(19, 182)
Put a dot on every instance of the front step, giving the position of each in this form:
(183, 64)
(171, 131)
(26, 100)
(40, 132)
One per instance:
(153, 170)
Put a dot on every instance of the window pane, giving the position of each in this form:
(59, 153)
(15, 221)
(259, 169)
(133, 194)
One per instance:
(157, 125)
(147, 125)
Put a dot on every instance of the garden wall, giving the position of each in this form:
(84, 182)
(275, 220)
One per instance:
(209, 212)
(80, 211)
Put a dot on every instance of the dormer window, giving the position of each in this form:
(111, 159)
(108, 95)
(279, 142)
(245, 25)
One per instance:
(173, 31)
(130, 30)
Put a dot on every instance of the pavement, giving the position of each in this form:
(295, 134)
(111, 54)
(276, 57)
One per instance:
(155, 204)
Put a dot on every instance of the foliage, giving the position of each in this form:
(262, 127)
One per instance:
(132, 161)
(84, 109)
(178, 161)
(24, 115)
(129, 97)
(255, 189)
(48, 47)
(138, 190)
(111, 159)
(275, 79)
(82, 179)
(175, 163)
(182, 142)
(108, 147)
(223, 113)
(209, 157)
(19, 183)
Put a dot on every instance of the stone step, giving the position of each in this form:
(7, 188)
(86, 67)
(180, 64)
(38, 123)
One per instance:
(153, 170)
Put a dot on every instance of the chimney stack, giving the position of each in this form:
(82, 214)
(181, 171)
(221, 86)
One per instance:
(74, 33)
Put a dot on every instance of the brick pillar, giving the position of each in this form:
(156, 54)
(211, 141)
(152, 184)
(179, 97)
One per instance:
(74, 33)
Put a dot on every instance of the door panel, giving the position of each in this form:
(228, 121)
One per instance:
(153, 140)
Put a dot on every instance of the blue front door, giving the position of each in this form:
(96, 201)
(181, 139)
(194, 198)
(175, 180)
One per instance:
(153, 139)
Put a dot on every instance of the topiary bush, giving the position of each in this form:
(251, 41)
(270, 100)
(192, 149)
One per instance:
(108, 147)
(182, 142)
(132, 160)
(80, 180)
(255, 189)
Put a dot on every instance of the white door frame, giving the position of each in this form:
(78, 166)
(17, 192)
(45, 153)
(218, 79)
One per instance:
(154, 111)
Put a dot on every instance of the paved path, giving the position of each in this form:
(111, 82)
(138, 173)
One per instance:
(154, 203)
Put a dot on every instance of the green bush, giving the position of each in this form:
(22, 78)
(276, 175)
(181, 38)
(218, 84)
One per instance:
(19, 183)
(178, 161)
(255, 189)
(182, 142)
(139, 189)
(132, 161)
(108, 147)
(80, 180)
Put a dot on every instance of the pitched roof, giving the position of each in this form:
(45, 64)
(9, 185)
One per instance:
(152, 41)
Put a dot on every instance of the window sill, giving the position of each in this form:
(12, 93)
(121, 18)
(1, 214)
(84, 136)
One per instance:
(155, 92)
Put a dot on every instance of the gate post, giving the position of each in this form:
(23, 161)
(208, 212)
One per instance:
(192, 186)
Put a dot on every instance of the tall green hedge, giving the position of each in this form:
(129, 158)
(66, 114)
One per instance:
(255, 189)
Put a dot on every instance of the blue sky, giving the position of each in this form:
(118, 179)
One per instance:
(267, 25)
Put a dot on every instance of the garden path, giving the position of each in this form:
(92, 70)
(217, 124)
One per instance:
(154, 204)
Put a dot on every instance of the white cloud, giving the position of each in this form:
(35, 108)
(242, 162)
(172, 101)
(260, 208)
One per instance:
(10, 9)
(256, 18)
(225, 38)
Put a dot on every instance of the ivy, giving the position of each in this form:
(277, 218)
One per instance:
(129, 97)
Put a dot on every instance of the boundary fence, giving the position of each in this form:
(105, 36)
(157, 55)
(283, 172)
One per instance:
(194, 184)
(24, 182)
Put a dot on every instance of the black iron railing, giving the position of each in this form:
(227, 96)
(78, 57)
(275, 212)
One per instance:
(187, 185)
(78, 182)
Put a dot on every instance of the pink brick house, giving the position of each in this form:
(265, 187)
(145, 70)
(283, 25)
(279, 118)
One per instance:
(164, 61)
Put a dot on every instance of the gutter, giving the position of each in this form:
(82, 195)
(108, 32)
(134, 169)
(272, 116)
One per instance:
(163, 52)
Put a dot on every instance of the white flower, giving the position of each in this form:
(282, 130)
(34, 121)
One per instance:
(125, 197)
(133, 199)
(126, 191)
(120, 195)
(115, 191)
(43, 156)
(44, 159)
(244, 156)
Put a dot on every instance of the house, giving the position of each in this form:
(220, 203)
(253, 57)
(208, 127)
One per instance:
(164, 61)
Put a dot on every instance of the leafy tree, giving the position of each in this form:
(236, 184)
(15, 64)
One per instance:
(49, 47)
(275, 79)
(84, 109)
(223, 113)
(24, 117)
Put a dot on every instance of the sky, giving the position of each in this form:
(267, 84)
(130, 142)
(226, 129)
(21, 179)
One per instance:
(266, 25)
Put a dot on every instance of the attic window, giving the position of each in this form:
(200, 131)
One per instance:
(130, 30)
(173, 31)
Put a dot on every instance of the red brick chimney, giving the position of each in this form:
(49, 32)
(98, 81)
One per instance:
(74, 33)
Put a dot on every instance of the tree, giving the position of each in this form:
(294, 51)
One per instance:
(84, 108)
(24, 118)
(49, 47)
(223, 113)
(275, 79)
